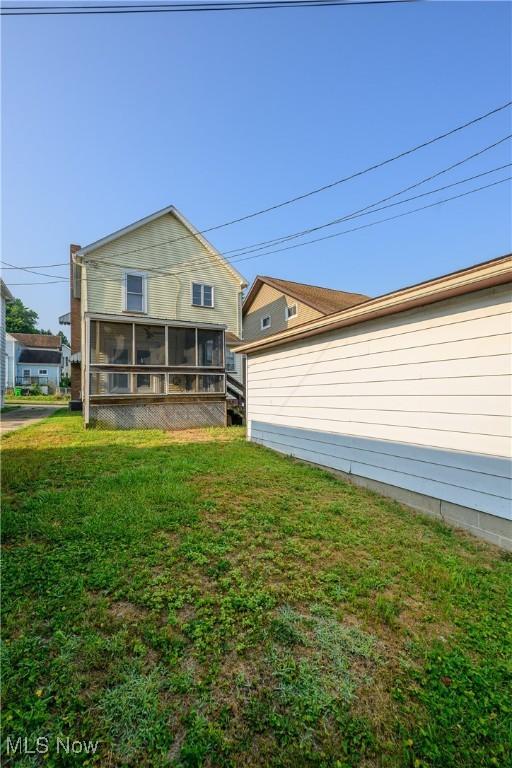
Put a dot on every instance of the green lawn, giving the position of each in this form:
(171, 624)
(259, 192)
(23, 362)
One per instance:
(36, 399)
(190, 599)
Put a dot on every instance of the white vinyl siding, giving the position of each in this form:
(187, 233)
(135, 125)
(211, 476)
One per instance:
(168, 296)
(420, 400)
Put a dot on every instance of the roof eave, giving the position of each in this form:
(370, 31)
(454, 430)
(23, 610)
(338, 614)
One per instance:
(407, 298)
(87, 249)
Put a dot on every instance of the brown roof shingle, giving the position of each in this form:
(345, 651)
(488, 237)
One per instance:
(324, 300)
(40, 340)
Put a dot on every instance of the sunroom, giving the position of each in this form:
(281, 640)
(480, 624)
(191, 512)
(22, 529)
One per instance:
(145, 362)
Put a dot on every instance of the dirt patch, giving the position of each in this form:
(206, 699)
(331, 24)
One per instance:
(126, 611)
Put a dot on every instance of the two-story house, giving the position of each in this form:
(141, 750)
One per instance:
(273, 305)
(155, 313)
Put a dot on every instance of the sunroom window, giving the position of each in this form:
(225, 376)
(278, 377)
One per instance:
(209, 348)
(181, 382)
(150, 383)
(149, 344)
(182, 346)
(210, 383)
(111, 343)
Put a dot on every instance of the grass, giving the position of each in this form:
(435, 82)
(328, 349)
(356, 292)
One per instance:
(21, 399)
(190, 599)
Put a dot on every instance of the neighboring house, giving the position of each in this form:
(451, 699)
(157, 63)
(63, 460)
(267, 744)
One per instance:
(33, 360)
(65, 368)
(155, 313)
(5, 295)
(408, 394)
(273, 305)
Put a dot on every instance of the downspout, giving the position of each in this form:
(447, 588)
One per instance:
(84, 357)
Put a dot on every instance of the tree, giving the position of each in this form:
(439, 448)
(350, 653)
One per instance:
(64, 338)
(19, 318)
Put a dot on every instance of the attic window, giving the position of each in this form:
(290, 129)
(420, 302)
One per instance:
(266, 322)
(291, 311)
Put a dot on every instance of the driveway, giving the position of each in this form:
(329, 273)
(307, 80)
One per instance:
(25, 415)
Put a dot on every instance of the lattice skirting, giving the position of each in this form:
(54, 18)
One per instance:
(159, 416)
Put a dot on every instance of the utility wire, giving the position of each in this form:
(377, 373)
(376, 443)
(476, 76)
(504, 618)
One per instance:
(336, 234)
(328, 186)
(294, 235)
(202, 260)
(106, 10)
(324, 187)
(240, 257)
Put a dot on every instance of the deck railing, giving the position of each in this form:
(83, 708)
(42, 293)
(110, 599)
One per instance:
(31, 381)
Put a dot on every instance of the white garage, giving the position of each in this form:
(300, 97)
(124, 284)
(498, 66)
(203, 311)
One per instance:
(408, 394)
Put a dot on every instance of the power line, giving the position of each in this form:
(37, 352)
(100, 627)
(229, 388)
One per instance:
(255, 246)
(245, 251)
(255, 5)
(367, 210)
(336, 234)
(202, 260)
(322, 188)
(381, 221)
(240, 257)
(293, 235)
(328, 186)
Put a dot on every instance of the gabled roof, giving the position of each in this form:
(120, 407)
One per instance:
(42, 356)
(5, 292)
(485, 275)
(39, 340)
(324, 300)
(171, 209)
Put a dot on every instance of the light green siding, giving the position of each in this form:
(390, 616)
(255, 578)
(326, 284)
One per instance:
(168, 297)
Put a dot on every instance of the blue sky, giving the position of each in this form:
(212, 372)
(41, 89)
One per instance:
(107, 119)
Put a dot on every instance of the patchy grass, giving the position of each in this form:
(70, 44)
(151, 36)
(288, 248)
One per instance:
(190, 599)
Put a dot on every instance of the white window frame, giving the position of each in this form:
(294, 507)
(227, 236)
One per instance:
(266, 327)
(43, 372)
(144, 275)
(287, 315)
(26, 373)
(205, 306)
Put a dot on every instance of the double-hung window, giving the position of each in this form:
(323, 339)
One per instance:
(202, 295)
(230, 360)
(291, 311)
(135, 292)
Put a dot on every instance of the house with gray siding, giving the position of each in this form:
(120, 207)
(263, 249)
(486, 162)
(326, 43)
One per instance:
(408, 394)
